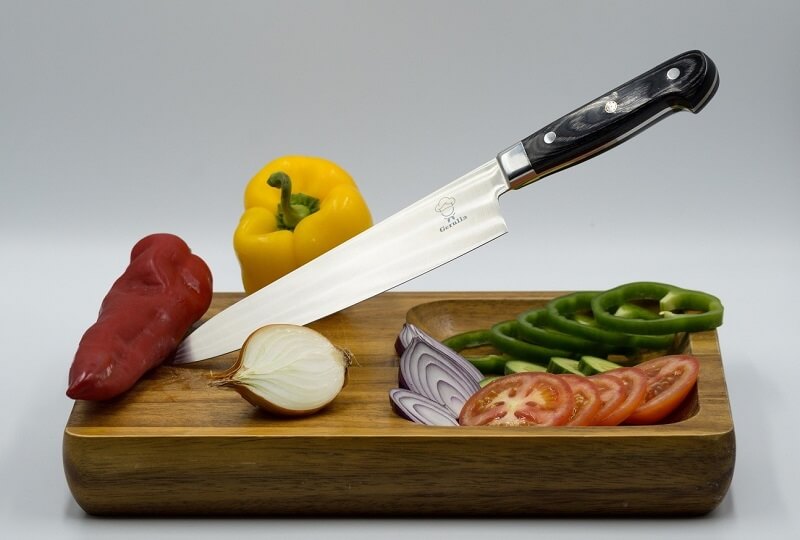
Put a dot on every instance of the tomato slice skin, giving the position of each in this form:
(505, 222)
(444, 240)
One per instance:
(521, 399)
(634, 387)
(669, 381)
(586, 400)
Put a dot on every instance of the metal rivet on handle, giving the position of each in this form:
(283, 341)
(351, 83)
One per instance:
(549, 137)
(611, 106)
(673, 74)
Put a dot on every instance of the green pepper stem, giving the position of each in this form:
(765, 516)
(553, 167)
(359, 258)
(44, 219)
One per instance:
(294, 207)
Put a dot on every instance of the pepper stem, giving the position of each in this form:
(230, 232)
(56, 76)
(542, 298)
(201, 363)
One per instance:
(294, 207)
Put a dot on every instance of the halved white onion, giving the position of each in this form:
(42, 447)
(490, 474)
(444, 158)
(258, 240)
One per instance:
(288, 369)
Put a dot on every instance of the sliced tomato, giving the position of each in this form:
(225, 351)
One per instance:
(521, 399)
(616, 410)
(669, 381)
(612, 394)
(585, 400)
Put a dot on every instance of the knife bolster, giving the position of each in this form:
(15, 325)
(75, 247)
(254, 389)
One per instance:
(516, 166)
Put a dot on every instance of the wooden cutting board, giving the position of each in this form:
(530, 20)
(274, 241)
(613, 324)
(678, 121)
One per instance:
(176, 446)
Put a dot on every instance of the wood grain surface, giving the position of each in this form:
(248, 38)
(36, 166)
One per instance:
(174, 445)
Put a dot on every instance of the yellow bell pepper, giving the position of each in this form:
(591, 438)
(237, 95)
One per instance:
(296, 208)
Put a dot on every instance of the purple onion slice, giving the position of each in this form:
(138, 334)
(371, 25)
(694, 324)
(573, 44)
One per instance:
(427, 370)
(409, 332)
(420, 409)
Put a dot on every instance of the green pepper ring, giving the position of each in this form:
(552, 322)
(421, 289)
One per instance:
(468, 340)
(532, 327)
(490, 364)
(560, 309)
(503, 338)
(670, 299)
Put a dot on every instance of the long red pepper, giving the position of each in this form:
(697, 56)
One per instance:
(144, 316)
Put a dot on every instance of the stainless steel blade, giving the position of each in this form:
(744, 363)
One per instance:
(434, 230)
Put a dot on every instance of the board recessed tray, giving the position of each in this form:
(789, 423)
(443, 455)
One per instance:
(174, 445)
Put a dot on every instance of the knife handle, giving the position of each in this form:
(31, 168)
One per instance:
(685, 82)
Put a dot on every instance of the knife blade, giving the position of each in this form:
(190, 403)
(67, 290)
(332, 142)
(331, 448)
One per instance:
(460, 216)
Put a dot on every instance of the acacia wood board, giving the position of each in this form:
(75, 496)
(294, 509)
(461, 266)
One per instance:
(174, 445)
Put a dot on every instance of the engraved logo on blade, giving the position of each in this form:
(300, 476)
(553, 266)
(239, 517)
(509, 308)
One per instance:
(447, 208)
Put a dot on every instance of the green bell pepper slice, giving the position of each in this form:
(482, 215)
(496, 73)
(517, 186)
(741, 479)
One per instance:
(572, 314)
(490, 364)
(650, 308)
(505, 338)
(533, 326)
(468, 340)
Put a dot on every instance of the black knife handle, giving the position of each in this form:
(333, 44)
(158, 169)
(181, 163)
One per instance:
(687, 81)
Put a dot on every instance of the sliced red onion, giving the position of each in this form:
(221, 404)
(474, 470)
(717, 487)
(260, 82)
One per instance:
(429, 371)
(409, 332)
(420, 409)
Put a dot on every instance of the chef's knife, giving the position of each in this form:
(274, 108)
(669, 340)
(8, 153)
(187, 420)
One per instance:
(458, 217)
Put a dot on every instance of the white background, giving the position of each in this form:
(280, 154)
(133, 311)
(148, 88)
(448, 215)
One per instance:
(118, 119)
